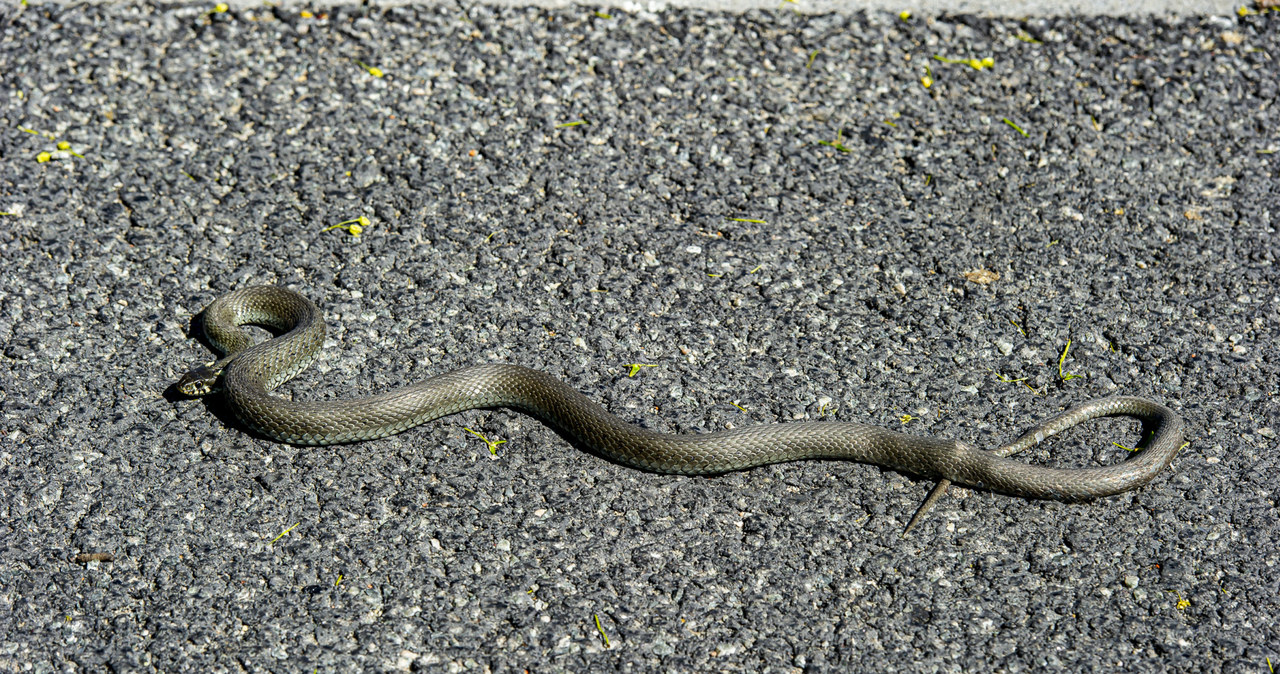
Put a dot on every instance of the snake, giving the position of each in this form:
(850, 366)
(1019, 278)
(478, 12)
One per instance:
(247, 373)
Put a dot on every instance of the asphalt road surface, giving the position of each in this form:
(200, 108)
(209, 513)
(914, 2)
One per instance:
(776, 216)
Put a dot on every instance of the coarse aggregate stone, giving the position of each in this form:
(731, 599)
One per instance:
(771, 208)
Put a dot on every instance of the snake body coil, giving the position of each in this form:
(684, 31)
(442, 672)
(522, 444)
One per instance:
(249, 372)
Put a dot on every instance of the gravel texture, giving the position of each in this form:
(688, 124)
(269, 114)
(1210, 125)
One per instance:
(993, 8)
(1135, 220)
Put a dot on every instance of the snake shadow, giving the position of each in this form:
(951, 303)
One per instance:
(216, 405)
(195, 330)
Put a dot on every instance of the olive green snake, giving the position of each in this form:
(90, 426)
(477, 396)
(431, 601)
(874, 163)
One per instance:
(248, 372)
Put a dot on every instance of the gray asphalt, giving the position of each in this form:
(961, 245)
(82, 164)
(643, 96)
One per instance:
(1021, 8)
(993, 8)
(771, 208)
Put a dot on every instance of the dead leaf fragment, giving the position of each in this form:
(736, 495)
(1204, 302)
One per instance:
(981, 276)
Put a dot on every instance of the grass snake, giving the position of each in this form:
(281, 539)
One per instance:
(248, 372)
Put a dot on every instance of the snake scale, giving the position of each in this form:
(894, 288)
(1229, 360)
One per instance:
(248, 372)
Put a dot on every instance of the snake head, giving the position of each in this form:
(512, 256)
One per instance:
(199, 382)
